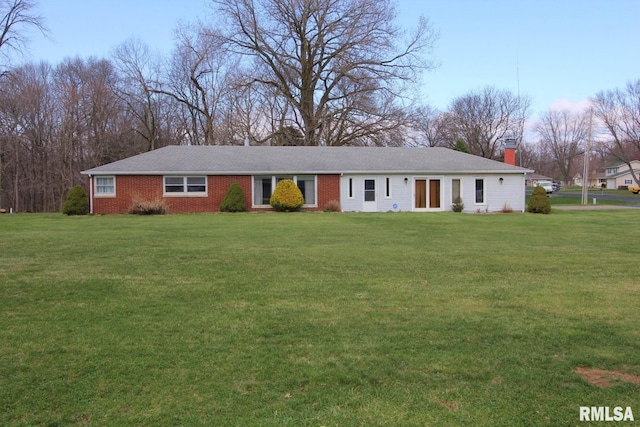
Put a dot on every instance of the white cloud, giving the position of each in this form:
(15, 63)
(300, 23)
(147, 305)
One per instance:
(566, 104)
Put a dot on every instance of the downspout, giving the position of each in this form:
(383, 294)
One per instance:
(91, 194)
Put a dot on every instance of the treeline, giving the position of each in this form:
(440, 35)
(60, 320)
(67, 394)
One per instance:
(58, 121)
(274, 72)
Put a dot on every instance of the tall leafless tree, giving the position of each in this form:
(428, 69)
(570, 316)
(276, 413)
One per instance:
(340, 64)
(619, 112)
(430, 127)
(484, 118)
(17, 18)
(138, 70)
(564, 134)
(200, 78)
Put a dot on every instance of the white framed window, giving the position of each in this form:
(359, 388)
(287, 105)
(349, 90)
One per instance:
(185, 185)
(263, 187)
(456, 190)
(105, 186)
(307, 186)
(480, 196)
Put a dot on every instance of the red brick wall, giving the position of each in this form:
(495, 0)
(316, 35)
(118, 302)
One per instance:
(131, 187)
(328, 189)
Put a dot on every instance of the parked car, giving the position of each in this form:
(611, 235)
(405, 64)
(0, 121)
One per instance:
(556, 185)
(547, 185)
(634, 190)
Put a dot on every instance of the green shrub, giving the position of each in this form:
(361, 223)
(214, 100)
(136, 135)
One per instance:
(148, 207)
(457, 205)
(76, 202)
(287, 196)
(539, 202)
(234, 200)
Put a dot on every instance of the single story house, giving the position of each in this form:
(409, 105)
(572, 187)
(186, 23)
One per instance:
(618, 175)
(369, 179)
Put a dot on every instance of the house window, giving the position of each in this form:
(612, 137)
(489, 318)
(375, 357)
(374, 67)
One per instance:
(262, 190)
(369, 190)
(628, 182)
(387, 192)
(351, 188)
(455, 190)
(307, 186)
(192, 185)
(479, 191)
(263, 187)
(105, 185)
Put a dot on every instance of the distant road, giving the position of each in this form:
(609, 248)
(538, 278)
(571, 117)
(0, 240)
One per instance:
(598, 195)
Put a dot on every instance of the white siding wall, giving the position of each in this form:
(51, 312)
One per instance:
(511, 191)
(399, 200)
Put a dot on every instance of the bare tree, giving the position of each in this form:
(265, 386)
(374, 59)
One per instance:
(564, 134)
(430, 127)
(16, 19)
(27, 107)
(619, 112)
(138, 70)
(338, 63)
(484, 118)
(200, 78)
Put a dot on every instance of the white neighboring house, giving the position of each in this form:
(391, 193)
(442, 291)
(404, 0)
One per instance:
(618, 175)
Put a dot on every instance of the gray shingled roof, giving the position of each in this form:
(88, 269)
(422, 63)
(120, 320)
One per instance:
(238, 160)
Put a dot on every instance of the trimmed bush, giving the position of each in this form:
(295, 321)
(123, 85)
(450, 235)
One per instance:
(234, 200)
(286, 197)
(148, 207)
(539, 202)
(76, 202)
(457, 205)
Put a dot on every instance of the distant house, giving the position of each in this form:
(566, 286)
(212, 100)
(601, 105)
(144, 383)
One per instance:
(618, 175)
(368, 179)
(534, 178)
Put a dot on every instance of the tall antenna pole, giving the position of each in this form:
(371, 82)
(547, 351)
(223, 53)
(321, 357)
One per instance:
(521, 111)
(585, 167)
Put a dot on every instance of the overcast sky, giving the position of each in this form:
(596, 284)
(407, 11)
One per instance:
(558, 52)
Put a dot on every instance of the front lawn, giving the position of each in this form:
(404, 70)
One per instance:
(317, 319)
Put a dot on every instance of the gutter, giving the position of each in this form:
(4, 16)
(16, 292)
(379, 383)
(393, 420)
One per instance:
(90, 194)
(308, 172)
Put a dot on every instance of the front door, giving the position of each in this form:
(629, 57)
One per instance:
(421, 194)
(370, 204)
(434, 194)
(427, 194)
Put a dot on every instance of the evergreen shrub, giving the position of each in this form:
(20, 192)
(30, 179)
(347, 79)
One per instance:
(457, 205)
(234, 200)
(539, 202)
(287, 196)
(76, 202)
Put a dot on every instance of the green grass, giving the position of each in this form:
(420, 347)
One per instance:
(316, 319)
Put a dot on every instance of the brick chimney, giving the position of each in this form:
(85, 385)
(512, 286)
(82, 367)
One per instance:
(510, 152)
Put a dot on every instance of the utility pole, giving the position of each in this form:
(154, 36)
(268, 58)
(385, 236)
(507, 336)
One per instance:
(585, 167)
